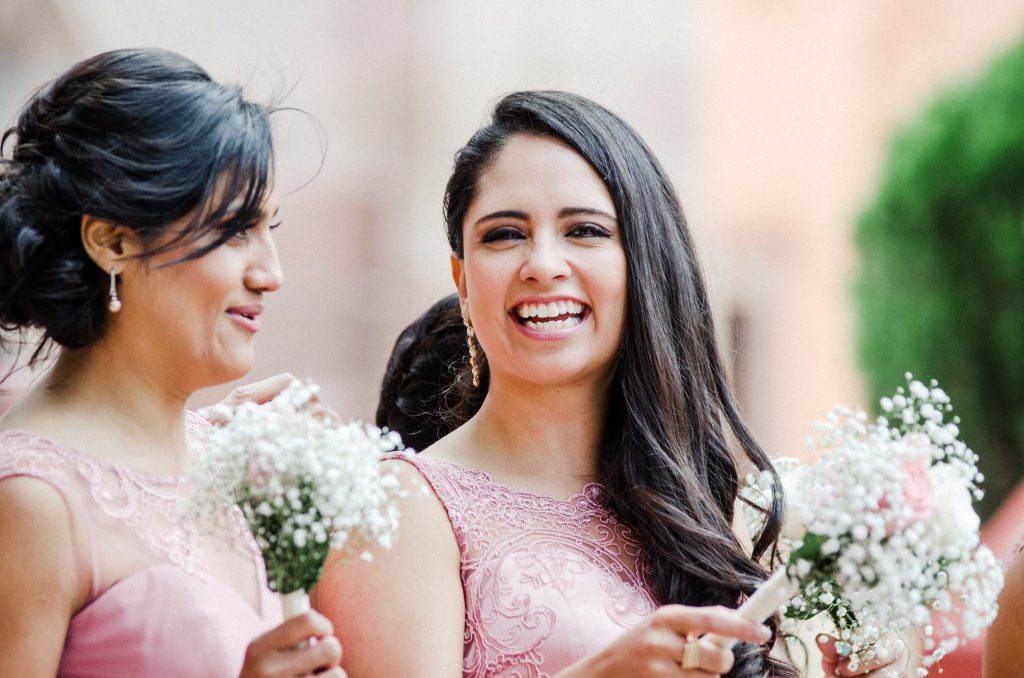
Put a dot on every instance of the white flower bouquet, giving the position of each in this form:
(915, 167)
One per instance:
(880, 534)
(303, 482)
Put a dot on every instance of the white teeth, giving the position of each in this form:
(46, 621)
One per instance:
(554, 324)
(549, 310)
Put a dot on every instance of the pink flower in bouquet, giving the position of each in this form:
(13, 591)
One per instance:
(918, 491)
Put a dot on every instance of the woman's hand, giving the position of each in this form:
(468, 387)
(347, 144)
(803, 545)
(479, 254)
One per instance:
(264, 391)
(282, 652)
(656, 646)
(835, 665)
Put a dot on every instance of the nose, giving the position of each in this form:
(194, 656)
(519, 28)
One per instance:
(545, 260)
(264, 271)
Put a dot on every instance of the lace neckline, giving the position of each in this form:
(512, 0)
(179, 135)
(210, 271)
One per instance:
(589, 494)
(40, 440)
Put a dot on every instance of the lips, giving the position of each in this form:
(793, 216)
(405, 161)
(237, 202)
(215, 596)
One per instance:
(550, 315)
(248, 317)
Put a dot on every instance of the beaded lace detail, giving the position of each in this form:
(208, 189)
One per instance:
(535, 570)
(148, 504)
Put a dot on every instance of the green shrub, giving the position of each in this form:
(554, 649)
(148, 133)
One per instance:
(941, 289)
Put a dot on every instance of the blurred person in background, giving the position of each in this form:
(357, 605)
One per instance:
(426, 391)
(135, 229)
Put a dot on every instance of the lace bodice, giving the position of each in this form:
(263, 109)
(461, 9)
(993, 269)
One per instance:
(546, 581)
(158, 604)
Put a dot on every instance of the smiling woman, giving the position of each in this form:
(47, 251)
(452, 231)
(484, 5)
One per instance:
(580, 522)
(560, 247)
(135, 229)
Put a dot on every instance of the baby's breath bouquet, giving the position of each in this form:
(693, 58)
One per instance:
(880, 535)
(304, 483)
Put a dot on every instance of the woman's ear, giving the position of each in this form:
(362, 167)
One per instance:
(459, 277)
(107, 243)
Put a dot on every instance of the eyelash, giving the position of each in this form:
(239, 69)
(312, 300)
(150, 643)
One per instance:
(506, 233)
(589, 230)
(243, 233)
(500, 234)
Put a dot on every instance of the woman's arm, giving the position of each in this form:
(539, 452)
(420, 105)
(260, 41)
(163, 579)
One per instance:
(44, 582)
(401, 615)
(1006, 635)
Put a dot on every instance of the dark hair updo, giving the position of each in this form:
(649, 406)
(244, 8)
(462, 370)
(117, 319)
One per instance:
(137, 137)
(427, 390)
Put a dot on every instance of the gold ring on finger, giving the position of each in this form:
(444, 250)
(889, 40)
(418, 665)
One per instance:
(691, 653)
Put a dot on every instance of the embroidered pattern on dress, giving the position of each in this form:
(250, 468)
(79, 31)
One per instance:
(516, 548)
(148, 504)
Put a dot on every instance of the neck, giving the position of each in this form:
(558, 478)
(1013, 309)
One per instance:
(102, 401)
(543, 438)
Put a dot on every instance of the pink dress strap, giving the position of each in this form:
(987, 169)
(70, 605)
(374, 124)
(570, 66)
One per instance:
(546, 581)
(161, 604)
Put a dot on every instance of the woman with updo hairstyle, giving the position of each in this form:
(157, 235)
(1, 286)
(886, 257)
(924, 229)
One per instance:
(136, 206)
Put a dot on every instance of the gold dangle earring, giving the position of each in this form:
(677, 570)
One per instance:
(115, 303)
(473, 363)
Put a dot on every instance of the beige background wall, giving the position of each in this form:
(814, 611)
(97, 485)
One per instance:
(770, 117)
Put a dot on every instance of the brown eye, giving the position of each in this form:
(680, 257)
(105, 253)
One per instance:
(589, 230)
(504, 233)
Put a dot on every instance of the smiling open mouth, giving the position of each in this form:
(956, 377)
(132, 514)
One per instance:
(553, 315)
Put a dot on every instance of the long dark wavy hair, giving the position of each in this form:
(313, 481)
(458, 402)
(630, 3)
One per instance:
(138, 137)
(665, 460)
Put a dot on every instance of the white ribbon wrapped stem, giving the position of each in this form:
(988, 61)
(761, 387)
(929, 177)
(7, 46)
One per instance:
(768, 598)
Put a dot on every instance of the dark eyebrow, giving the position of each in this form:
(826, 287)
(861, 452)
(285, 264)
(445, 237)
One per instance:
(562, 213)
(502, 214)
(576, 211)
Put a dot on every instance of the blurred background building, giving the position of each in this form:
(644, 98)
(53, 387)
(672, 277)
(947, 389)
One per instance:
(771, 117)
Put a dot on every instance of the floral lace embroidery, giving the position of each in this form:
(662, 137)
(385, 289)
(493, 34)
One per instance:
(148, 504)
(520, 552)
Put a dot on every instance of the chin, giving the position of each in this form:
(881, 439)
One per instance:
(562, 372)
(555, 375)
(230, 370)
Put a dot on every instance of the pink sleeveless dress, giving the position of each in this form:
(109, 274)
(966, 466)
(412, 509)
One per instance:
(167, 612)
(546, 582)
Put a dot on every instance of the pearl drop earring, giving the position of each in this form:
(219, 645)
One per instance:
(115, 303)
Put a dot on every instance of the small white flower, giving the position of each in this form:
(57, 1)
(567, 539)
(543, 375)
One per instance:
(919, 390)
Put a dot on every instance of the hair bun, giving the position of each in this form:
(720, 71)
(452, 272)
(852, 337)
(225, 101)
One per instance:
(47, 281)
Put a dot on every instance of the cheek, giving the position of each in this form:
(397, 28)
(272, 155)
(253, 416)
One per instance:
(486, 286)
(611, 276)
(197, 294)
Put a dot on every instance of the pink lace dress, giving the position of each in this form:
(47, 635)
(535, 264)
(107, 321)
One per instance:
(159, 604)
(546, 582)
